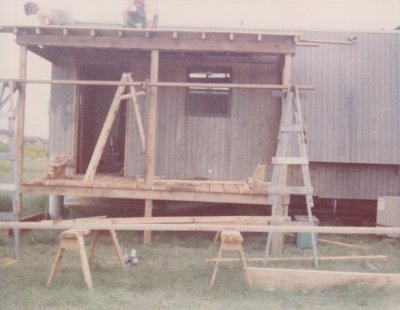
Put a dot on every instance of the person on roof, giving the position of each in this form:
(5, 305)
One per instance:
(141, 14)
(48, 16)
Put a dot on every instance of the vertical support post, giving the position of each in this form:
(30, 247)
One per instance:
(151, 122)
(19, 143)
(150, 149)
(148, 212)
(21, 114)
(281, 207)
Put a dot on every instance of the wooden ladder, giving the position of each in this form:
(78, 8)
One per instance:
(8, 109)
(112, 113)
(291, 128)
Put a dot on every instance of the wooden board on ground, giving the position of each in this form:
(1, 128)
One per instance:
(309, 258)
(271, 279)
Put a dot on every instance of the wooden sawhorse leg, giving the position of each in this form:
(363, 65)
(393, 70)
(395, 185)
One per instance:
(230, 241)
(213, 247)
(117, 247)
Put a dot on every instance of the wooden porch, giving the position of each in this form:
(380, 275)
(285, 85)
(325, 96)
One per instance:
(198, 190)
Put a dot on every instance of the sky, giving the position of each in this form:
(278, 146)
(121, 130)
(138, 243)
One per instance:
(355, 15)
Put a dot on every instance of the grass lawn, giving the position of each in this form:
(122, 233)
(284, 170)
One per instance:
(172, 273)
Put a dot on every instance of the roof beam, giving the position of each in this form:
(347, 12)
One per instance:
(189, 42)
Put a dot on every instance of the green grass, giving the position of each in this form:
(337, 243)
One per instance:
(172, 274)
(35, 160)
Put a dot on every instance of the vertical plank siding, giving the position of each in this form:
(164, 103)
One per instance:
(355, 181)
(212, 147)
(62, 109)
(352, 116)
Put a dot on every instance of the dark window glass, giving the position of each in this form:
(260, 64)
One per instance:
(211, 102)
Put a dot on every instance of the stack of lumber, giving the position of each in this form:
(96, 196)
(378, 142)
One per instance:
(231, 237)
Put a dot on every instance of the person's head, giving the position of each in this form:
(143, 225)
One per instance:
(31, 8)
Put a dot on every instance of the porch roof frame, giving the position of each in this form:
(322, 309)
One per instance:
(179, 40)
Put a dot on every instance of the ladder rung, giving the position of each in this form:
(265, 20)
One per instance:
(292, 128)
(290, 161)
(7, 156)
(6, 132)
(290, 190)
(7, 216)
(7, 187)
(7, 114)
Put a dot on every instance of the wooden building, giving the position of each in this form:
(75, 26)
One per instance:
(202, 142)
(208, 120)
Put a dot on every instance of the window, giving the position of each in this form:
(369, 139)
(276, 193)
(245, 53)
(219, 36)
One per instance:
(211, 102)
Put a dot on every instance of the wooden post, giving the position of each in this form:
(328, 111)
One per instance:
(21, 113)
(151, 122)
(278, 239)
(150, 148)
(148, 212)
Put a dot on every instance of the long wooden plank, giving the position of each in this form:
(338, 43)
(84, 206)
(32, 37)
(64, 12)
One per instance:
(158, 84)
(342, 244)
(191, 219)
(272, 279)
(142, 193)
(84, 30)
(199, 227)
(310, 258)
(162, 43)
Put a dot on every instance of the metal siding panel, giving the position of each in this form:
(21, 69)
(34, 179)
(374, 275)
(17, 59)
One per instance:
(352, 115)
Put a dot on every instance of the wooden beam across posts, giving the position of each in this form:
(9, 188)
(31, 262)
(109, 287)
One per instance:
(244, 220)
(271, 278)
(156, 40)
(161, 84)
(211, 227)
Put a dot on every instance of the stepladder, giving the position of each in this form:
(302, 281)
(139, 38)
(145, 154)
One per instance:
(8, 112)
(291, 152)
(125, 91)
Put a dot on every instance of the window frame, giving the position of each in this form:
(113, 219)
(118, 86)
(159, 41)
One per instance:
(211, 93)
